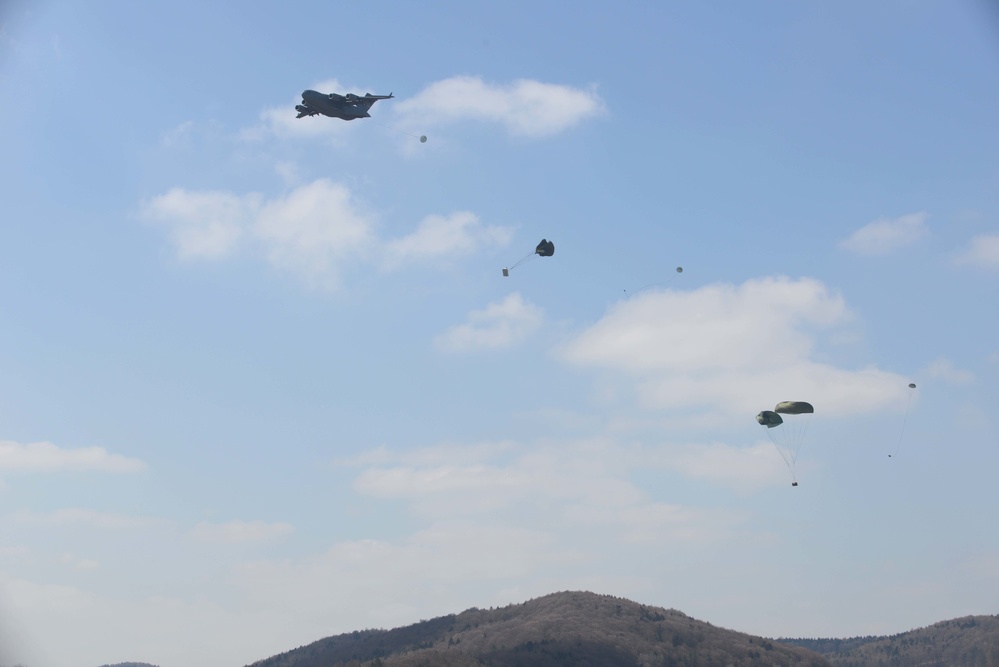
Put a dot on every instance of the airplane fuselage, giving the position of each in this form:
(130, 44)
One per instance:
(345, 107)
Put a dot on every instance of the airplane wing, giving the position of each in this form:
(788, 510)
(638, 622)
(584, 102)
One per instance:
(304, 111)
(368, 97)
(366, 101)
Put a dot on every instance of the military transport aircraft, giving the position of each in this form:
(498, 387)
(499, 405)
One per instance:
(347, 107)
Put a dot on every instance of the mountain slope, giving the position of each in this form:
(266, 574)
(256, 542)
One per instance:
(971, 641)
(572, 628)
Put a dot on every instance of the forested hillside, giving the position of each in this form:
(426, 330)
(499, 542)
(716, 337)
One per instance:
(577, 629)
(971, 641)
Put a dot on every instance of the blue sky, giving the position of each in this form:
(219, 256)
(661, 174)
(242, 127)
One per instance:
(263, 379)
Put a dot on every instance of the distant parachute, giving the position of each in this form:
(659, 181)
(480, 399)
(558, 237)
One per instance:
(787, 435)
(545, 249)
(908, 404)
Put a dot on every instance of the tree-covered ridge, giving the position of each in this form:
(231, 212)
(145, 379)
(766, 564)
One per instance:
(970, 641)
(571, 628)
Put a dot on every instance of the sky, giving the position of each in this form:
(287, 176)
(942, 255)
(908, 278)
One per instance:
(262, 380)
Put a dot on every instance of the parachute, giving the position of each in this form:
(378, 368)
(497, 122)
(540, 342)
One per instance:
(545, 249)
(794, 408)
(787, 435)
(769, 418)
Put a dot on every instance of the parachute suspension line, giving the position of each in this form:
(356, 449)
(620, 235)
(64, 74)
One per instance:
(422, 138)
(679, 270)
(797, 436)
(545, 249)
(792, 437)
(524, 259)
(788, 460)
(908, 404)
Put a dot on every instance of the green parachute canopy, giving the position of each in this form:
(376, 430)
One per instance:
(769, 418)
(794, 408)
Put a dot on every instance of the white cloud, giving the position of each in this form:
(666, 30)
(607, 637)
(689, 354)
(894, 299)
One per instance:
(288, 171)
(551, 516)
(755, 325)
(178, 134)
(14, 552)
(732, 349)
(887, 234)
(498, 325)
(660, 523)
(440, 236)
(943, 369)
(312, 232)
(73, 562)
(82, 517)
(242, 531)
(46, 457)
(594, 472)
(486, 486)
(437, 454)
(572, 502)
(578, 498)
(744, 468)
(429, 555)
(65, 625)
(445, 566)
(525, 107)
(203, 225)
(983, 252)
(491, 477)
(315, 232)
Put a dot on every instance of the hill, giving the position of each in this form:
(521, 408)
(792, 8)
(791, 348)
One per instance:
(571, 628)
(971, 641)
